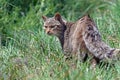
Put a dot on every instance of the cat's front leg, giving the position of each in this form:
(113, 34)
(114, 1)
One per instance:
(79, 55)
(67, 53)
(93, 63)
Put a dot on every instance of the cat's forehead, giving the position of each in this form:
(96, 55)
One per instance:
(51, 21)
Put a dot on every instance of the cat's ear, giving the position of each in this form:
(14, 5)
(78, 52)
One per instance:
(87, 16)
(44, 18)
(58, 17)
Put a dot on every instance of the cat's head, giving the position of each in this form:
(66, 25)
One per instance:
(54, 25)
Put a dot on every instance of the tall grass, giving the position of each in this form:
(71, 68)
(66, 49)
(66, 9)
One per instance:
(30, 54)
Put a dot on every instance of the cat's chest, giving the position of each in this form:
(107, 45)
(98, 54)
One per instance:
(67, 47)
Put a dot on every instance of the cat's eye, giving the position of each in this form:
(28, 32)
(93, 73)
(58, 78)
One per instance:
(45, 26)
(52, 26)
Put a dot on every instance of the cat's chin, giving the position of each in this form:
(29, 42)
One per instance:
(50, 34)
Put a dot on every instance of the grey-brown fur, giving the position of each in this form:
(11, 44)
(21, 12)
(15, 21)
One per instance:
(80, 38)
(70, 36)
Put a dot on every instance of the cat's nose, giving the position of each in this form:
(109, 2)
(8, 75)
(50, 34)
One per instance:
(48, 32)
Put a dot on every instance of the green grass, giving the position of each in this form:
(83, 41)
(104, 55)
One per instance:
(30, 54)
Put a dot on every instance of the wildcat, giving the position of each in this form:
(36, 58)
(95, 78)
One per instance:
(94, 43)
(70, 36)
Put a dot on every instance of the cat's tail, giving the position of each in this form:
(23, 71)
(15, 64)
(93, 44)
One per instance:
(113, 56)
(116, 54)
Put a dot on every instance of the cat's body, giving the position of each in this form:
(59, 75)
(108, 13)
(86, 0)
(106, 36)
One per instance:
(70, 36)
(80, 38)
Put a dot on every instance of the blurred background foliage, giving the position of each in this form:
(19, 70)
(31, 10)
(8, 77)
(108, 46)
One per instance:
(19, 15)
(22, 37)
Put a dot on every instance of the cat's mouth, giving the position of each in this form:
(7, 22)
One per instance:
(49, 33)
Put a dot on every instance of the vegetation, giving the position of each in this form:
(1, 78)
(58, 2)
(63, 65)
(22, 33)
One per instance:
(27, 53)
